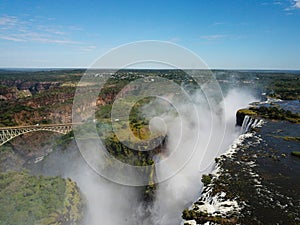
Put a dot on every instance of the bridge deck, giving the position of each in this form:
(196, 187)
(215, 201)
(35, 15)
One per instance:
(40, 125)
(8, 133)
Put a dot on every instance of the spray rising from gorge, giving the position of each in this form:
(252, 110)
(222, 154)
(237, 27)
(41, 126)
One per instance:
(111, 203)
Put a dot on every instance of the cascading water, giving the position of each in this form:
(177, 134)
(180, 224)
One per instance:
(249, 123)
(218, 205)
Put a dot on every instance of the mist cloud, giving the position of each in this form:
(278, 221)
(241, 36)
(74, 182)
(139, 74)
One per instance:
(208, 133)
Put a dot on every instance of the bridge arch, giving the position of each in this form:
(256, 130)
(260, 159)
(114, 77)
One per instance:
(9, 133)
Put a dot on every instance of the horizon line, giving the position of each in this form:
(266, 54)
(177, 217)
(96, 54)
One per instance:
(85, 68)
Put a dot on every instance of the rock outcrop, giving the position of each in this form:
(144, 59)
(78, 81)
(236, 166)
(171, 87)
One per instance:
(240, 115)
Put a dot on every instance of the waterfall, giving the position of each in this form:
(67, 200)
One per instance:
(249, 123)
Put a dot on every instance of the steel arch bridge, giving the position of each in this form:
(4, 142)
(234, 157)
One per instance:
(9, 133)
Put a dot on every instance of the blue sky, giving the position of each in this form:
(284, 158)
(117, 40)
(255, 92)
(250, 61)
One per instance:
(239, 34)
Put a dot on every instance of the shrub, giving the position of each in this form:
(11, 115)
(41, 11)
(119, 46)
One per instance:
(206, 179)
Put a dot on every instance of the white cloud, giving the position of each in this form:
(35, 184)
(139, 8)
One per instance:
(8, 21)
(297, 4)
(56, 41)
(51, 30)
(75, 28)
(218, 23)
(214, 37)
(11, 38)
(88, 48)
(31, 30)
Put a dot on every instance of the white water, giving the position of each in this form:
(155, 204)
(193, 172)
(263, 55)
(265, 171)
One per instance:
(249, 123)
(217, 205)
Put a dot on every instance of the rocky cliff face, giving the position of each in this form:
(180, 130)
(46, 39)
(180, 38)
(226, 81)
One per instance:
(32, 86)
(241, 114)
(47, 103)
(240, 118)
(13, 93)
(21, 107)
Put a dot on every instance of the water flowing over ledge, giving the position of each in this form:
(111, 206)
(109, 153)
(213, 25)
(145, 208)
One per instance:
(215, 206)
(249, 123)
